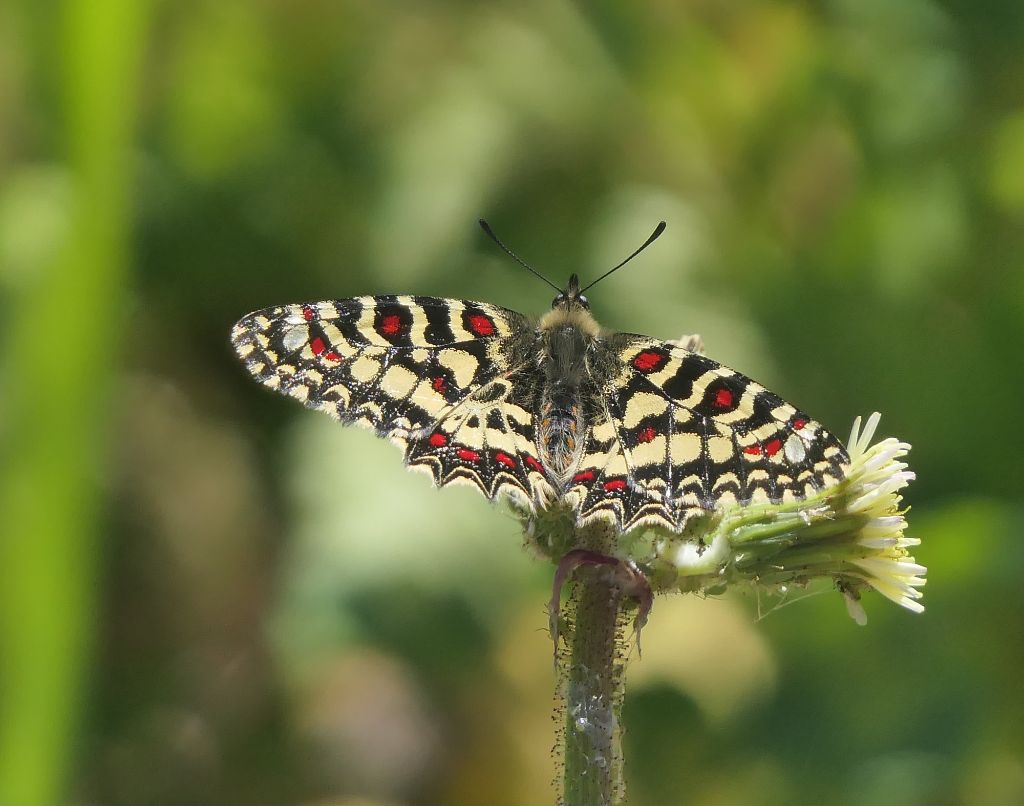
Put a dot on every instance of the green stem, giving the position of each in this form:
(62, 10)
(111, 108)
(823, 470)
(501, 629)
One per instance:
(592, 687)
(60, 339)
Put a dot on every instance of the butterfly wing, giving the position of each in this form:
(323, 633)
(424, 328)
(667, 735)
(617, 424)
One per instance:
(682, 434)
(446, 380)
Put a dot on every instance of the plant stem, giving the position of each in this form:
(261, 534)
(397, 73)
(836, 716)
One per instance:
(55, 418)
(592, 687)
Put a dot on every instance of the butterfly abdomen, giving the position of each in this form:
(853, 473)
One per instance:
(561, 421)
(559, 435)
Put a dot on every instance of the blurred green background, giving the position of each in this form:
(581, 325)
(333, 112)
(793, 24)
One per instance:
(211, 596)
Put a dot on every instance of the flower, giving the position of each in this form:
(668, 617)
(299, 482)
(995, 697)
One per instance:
(852, 532)
(889, 569)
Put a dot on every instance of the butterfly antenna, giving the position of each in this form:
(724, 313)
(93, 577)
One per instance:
(654, 236)
(490, 233)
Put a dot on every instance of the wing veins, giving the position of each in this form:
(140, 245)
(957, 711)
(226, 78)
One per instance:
(444, 415)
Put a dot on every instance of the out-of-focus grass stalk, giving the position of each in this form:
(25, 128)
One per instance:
(60, 348)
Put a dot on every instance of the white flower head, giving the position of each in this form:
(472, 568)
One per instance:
(879, 474)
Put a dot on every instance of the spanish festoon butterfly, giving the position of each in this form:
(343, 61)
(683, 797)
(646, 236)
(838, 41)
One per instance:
(553, 412)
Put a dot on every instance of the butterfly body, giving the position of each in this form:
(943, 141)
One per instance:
(616, 428)
(566, 345)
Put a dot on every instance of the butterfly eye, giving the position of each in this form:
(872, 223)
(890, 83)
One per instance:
(583, 301)
(558, 301)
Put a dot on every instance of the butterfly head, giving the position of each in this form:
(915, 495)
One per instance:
(571, 297)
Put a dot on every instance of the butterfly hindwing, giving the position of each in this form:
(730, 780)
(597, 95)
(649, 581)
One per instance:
(429, 373)
(486, 441)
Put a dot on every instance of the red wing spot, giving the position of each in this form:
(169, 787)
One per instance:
(438, 440)
(438, 384)
(332, 356)
(533, 463)
(317, 346)
(647, 435)
(505, 459)
(390, 325)
(648, 361)
(753, 450)
(799, 423)
(308, 313)
(615, 484)
(723, 398)
(466, 455)
(773, 447)
(481, 325)
(586, 475)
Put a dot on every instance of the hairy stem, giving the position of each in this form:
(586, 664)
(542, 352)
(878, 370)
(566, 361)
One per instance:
(591, 683)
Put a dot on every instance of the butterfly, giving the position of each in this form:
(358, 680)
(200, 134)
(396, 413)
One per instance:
(615, 427)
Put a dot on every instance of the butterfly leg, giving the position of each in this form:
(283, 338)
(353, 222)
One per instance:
(629, 579)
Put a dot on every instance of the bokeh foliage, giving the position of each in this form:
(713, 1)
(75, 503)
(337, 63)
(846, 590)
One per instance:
(210, 596)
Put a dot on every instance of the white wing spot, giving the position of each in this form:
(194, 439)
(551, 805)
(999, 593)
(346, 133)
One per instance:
(295, 338)
(795, 449)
